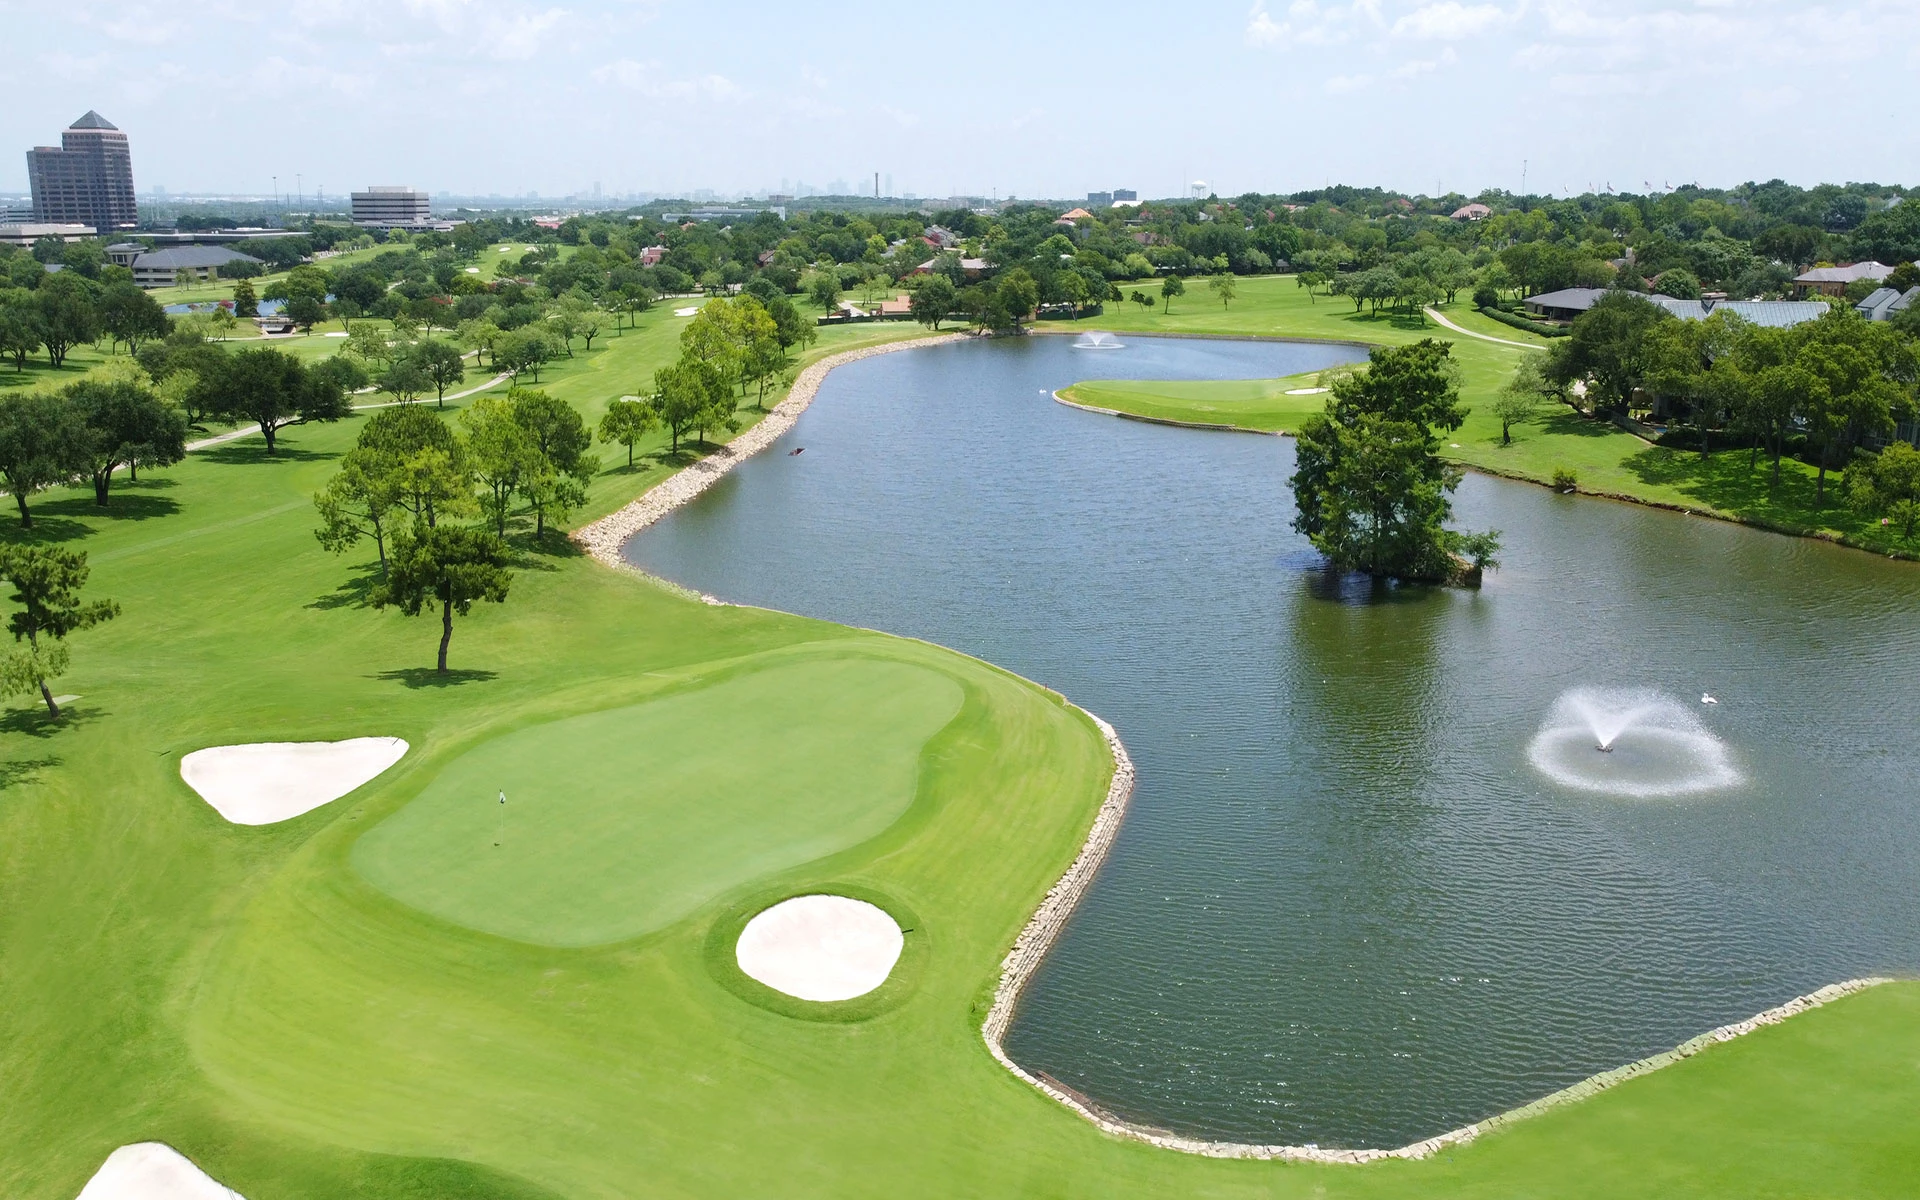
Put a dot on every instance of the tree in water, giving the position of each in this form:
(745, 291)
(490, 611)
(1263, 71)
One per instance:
(1371, 490)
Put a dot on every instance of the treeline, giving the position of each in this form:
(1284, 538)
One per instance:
(1833, 392)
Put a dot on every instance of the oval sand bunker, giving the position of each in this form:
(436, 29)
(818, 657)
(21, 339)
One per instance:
(820, 947)
(265, 782)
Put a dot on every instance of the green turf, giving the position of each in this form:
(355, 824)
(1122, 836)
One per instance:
(244, 994)
(1261, 404)
(622, 821)
(1606, 459)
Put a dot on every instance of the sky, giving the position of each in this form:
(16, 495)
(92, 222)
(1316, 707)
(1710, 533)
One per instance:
(478, 97)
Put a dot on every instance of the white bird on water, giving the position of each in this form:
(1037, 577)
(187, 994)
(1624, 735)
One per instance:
(1706, 699)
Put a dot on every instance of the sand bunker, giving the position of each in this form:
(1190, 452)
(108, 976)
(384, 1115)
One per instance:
(1305, 391)
(265, 782)
(153, 1171)
(820, 947)
(686, 312)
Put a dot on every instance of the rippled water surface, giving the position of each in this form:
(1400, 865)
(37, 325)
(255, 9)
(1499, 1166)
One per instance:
(1345, 908)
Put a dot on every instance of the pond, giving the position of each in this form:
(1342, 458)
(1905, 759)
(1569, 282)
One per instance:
(1355, 902)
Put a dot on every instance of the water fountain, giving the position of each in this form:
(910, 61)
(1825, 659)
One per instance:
(1654, 745)
(1097, 341)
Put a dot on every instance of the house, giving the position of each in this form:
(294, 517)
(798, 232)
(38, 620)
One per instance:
(1075, 214)
(161, 268)
(939, 235)
(1472, 212)
(1568, 303)
(651, 256)
(764, 257)
(898, 308)
(970, 268)
(1833, 281)
(1887, 303)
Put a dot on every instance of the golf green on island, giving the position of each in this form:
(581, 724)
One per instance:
(696, 700)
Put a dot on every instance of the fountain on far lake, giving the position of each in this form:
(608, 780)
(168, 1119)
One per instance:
(1653, 745)
(1097, 341)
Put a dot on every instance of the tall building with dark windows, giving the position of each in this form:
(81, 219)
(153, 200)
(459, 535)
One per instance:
(87, 179)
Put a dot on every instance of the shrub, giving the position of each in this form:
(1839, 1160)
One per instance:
(1531, 326)
(1564, 480)
(1485, 297)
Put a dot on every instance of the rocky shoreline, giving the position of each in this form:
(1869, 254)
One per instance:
(603, 538)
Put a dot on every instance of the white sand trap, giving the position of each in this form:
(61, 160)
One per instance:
(820, 947)
(264, 782)
(473, 270)
(153, 1171)
(1305, 391)
(686, 312)
(335, 333)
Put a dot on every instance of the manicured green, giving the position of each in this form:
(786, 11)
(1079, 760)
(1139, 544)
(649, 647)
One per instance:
(1606, 459)
(247, 995)
(1261, 404)
(622, 821)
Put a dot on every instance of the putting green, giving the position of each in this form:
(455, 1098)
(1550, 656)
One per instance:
(622, 821)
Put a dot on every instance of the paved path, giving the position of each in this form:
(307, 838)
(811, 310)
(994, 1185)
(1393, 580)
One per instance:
(248, 431)
(1435, 314)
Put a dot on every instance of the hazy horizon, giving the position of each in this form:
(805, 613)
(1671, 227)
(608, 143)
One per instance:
(479, 97)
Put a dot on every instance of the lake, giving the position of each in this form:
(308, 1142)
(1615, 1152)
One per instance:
(1345, 908)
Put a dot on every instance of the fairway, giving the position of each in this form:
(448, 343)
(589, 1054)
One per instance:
(619, 822)
(1257, 404)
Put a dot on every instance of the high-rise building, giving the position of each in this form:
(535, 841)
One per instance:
(391, 208)
(87, 179)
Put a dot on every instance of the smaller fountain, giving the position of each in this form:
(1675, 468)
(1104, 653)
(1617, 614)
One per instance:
(1656, 745)
(1098, 341)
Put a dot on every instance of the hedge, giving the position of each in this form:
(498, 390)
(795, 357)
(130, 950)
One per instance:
(1507, 318)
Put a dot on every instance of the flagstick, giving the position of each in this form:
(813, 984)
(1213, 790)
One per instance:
(501, 830)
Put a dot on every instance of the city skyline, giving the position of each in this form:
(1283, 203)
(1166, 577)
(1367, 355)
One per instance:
(1280, 97)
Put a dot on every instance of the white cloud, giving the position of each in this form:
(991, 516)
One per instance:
(1449, 21)
(518, 36)
(1262, 30)
(648, 79)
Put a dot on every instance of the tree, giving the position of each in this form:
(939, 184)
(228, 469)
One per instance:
(129, 315)
(123, 423)
(1519, 396)
(405, 379)
(626, 421)
(1371, 491)
(67, 315)
(40, 442)
(932, 301)
(306, 296)
(1679, 283)
(357, 502)
(690, 394)
(1015, 294)
(824, 288)
(1170, 287)
(522, 351)
(245, 303)
(447, 566)
(478, 333)
(1610, 347)
(441, 363)
(273, 389)
(20, 333)
(1223, 287)
(1142, 299)
(1887, 485)
(370, 344)
(46, 585)
(559, 467)
(499, 454)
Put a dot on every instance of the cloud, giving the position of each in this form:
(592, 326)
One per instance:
(1262, 29)
(648, 79)
(1308, 23)
(1449, 21)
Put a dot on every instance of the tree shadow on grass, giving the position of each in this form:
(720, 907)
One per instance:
(427, 677)
(45, 529)
(37, 723)
(24, 770)
(356, 592)
(1725, 482)
(249, 454)
(1568, 423)
(121, 505)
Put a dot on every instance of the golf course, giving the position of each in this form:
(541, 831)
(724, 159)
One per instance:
(504, 968)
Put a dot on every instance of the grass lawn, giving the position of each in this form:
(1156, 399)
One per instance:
(1261, 404)
(627, 819)
(259, 998)
(1607, 460)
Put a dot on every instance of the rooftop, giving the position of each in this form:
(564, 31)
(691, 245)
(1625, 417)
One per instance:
(1847, 274)
(195, 257)
(93, 120)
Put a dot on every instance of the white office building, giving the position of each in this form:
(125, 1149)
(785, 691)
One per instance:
(392, 208)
